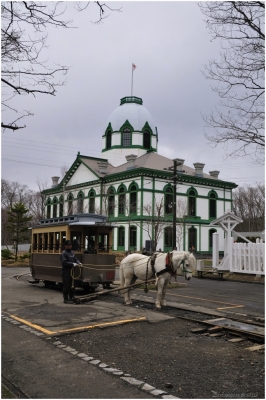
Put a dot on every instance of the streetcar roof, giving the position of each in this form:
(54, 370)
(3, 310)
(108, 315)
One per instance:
(86, 219)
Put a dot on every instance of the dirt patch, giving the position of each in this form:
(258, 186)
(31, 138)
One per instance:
(168, 356)
(19, 263)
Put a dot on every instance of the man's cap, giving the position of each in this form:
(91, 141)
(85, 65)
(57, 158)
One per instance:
(68, 242)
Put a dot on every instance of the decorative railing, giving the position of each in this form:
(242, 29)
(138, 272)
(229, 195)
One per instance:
(248, 258)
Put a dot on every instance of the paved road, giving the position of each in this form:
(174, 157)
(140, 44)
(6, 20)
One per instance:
(226, 296)
(40, 369)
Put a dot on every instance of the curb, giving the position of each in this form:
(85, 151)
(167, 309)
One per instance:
(114, 371)
(95, 362)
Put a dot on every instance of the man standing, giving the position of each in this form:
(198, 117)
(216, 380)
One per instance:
(68, 260)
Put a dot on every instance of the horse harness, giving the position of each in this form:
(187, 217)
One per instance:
(152, 259)
(168, 267)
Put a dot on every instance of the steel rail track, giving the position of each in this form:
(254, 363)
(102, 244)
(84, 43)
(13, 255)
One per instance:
(188, 315)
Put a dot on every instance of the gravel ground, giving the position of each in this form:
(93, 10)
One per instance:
(171, 358)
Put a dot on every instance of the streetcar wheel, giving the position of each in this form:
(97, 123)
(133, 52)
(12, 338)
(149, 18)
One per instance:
(106, 286)
(89, 289)
(48, 284)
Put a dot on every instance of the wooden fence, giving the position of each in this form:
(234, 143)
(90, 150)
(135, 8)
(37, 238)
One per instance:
(248, 258)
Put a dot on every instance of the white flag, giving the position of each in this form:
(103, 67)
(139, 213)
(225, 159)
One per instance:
(133, 67)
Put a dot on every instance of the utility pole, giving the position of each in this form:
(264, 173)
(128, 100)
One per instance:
(174, 204)
(176, 162)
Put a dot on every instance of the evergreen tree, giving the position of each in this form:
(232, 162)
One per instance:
(17, 224)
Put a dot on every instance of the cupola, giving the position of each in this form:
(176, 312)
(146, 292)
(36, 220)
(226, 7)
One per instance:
(129, 127)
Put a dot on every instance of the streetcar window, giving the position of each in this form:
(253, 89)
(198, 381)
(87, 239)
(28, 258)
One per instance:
(103, 242)
(91, 244)
(51, 241)
(40, 241)
(76, 240)
(45, 241)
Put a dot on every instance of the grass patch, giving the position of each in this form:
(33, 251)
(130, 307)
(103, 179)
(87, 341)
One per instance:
(6, 394)
(18, 263)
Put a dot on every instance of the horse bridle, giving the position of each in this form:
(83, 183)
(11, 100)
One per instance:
(168, 267)
(184, 270)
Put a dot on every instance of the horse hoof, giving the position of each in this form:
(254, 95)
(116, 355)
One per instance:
(158, 308)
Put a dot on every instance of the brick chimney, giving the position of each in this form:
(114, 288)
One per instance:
(199, 169)
(131, 161)
(55, 180)
(102, 166)
(214, 174)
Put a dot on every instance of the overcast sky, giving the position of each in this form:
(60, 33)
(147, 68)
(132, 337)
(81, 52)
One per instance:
(169, 44)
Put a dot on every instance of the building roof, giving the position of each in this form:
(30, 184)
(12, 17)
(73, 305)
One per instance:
(131, 110)
(150, 160)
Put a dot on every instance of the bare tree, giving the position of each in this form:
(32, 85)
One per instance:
(37, 203)
(14, 192)
(23, 39)
(249, 205)
(238, 76)
(64, 170)
(155, 221)
(181, 211)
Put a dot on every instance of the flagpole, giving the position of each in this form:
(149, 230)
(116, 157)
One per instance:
(132, 82)
(133, 68)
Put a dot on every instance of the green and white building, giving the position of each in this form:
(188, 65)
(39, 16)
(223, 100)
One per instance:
(131, 182)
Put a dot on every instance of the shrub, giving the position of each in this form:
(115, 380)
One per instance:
(251, 238)
(6, 254)
(24, 256)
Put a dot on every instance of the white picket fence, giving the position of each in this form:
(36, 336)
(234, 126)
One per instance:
(248, 258)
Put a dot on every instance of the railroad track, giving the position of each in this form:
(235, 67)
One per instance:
(242, 328)
(238, 327)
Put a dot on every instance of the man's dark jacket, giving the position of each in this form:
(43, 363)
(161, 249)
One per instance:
(68, 258)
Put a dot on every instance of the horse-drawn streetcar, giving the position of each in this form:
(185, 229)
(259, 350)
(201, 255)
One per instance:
(91, 236)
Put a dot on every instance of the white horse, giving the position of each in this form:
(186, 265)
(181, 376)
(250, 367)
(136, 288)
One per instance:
(165, 265)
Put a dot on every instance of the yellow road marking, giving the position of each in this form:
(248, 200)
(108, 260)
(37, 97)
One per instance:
(23, 321)
(47, 332)
(223, 308)
(199, 298)
(104, 324)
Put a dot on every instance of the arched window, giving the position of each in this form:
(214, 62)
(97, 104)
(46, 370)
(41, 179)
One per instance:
(109, 140)
(55, 207)
(168, 237)
(133, 199)
(121, 201)
(211, 231)
(91, 201)
(80, 202)
(192, 239)
(48, 210)
(111, 201)
(126, 138)
(212, 205)
(168, 200)
(192, 202)
(61, 206)
(121, 236)
(146, 140)
(133, 236)
(70, 204)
